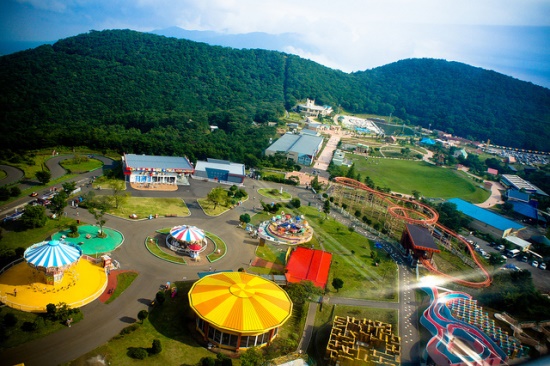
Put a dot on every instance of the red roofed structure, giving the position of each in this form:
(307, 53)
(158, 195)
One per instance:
(308, 265)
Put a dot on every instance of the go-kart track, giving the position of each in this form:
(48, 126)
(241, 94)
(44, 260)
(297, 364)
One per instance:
(456, 342)
(420, 214)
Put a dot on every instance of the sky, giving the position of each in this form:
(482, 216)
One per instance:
(508, 36)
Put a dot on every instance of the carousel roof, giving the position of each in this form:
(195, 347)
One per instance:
(53, 253)
(240, 302)
(187, 233)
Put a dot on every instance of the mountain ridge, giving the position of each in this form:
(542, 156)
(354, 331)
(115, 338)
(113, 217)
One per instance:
(124, 73)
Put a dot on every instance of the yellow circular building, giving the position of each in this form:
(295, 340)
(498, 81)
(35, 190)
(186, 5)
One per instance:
(239, 310)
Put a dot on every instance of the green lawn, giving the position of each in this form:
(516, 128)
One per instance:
(3, 174)
(15, 336)
(143, 207)
(154, 249)
(124, 280)
(210, 209)
(404, 176)
(328, 312)
(274, 194)
(82, 167)
(171, 323)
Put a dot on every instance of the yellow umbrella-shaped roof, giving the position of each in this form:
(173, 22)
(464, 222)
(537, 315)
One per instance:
(240, 302)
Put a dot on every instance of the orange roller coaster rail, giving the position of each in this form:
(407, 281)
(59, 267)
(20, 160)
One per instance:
(422, 215)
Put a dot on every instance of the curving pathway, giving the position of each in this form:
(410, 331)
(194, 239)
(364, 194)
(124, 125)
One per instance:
(14, 175)
(101, 322)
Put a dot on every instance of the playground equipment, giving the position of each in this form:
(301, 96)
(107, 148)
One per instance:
(397, 211)
(286, 229)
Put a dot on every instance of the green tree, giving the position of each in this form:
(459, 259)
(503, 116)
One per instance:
(252, 357)
(416, 194)
(160, 297)
(217, 196)
(326, 208)
(34, 216)
(43, 176)
(244, 218)
(15, 191)
(142, 315)
(4, 193)
(300, 292)
(69, 187)
(496, 259)
(315, 184)
(58, 203)
(99, 216)
(337, 283)
(119, 196)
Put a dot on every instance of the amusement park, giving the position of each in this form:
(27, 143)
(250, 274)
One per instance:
(236, 286)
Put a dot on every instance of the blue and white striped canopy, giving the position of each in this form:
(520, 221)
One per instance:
(189, 234)
(52, 254)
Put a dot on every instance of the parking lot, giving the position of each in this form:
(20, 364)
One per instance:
(541, 278)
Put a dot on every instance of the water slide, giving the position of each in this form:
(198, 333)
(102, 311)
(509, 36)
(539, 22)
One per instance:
(456, 342)
(421, 215)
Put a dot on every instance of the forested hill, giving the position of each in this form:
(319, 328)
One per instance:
(465, 101)
(143, 93)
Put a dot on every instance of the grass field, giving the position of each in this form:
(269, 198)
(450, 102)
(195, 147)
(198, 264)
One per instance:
(404, 176)
(82, 167)
(274, 194)
(143, 207)
(171, 323)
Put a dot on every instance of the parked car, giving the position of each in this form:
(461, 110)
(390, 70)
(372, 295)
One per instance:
(524, 259)
(486, 255)
(501, 247)
(535, 264)
(33, 194)
(542, 265)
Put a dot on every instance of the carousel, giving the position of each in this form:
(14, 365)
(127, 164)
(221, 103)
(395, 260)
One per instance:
(51, 272)
(52, 258)
(189, 240)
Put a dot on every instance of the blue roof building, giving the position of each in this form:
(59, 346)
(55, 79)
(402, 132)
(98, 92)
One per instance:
(427, 141)
(485, 220)
(515, 195)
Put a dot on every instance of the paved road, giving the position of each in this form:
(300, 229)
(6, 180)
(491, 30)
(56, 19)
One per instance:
(13, 175)
(101, 322)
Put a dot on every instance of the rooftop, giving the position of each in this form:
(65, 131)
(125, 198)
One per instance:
(232, 168)
(141, 162)
(309, 265)
(421, 238)
(485, 216)
(301, 144)
(519, 184)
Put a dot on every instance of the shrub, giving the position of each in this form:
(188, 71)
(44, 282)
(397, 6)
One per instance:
(129, 329)
(156, 347)
(160, 297)
(137, 353)
(142, 315)
(29, 327)
(51, 311)
(10, 320)
(208, 361)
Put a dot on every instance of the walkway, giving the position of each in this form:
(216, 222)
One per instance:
(102, 321)
(325, 158)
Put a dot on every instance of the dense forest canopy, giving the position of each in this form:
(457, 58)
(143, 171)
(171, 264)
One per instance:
(143, 93)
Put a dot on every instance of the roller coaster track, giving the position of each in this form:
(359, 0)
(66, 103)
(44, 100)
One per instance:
(421, 215)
